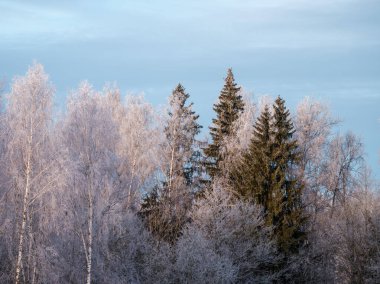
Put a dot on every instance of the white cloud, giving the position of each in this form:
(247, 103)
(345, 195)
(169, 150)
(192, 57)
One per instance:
(192, 26)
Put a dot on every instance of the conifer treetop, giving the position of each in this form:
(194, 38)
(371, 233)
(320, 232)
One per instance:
(228, 109)
(267, 175)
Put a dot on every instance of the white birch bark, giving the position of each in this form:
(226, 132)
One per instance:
(90, 236)
(27, 117)
(23, 221)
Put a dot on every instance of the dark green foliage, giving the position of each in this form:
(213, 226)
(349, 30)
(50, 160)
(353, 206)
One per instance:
(255, 170)
(288, 216)
(228, 109)
(165, 214)
(150, 203)
(267, 175)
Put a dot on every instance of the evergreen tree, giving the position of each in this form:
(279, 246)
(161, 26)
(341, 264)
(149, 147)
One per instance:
(165, 210)
(287, 215)
(267, 175)
(228, 109)
(253, 176)
(180, 130)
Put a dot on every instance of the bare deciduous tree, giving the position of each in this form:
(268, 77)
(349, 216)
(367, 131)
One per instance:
(90, 137)
(31, 165)
(342, 168)
(235, 231)
(314, 125)
(139, 146)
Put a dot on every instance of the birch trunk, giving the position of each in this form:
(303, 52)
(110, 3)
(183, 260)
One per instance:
(24, 217)
(28, 116)
(89, 250)
(171, 170)
(131, 182)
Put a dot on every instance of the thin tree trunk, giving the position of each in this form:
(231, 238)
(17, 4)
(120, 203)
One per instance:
(32, 252)
(23, 222)
(333, 203)
(89, 250)
(171, 170)
(131, 181)
(30, 249)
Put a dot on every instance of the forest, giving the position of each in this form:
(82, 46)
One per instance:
(115, 190)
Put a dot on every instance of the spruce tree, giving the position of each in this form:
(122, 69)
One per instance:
(180, 131)
(288, 216)
(266, 175)
(254, 175)
(166, 208)
(228, 109)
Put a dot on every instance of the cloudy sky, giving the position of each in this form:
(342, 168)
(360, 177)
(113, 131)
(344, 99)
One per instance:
(326, 49)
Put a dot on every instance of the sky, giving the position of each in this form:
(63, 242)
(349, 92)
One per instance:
(326, 49)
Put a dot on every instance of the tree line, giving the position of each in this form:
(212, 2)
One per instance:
(116, 191)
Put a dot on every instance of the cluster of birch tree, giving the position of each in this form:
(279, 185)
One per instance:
(115, 191)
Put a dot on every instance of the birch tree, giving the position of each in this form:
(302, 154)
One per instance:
(345, 160)
(90, 137)
(313, 124)
(30, 165)
(314, 130)
(6, 254)
(139, 147)
(344, 247)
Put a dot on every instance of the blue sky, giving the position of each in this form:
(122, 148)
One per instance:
(326, 49)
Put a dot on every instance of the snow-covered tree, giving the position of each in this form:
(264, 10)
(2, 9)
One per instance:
(234, 233)
(165, 209)
(344, 247)
(345, 160)
(197, 260)
(314, 124)
(90, 136)
(180, 145)
(31, 171)
(130, 254)
(71, 188)
(139, 147)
